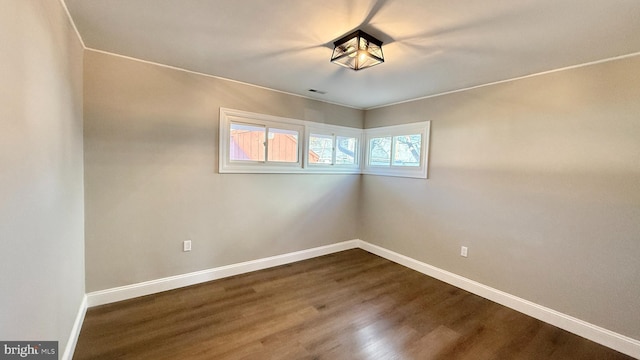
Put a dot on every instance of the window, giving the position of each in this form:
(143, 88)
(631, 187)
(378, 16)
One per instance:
(347, 150)
(283, 145)
(320, 149)
(380, 151)
(333, 149)
(247, 142)
(407, 150)
(259, 143)
(397, 150)
(256, 143)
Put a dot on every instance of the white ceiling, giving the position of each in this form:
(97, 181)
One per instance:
(430, 46)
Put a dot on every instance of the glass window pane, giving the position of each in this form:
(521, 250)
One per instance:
(283, 145)
(346, 150)
(320, 149)
(407, 150)
(380, 151)
(247, 142)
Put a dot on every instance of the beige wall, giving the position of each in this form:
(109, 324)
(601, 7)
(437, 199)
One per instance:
(151, 137)
(540, 178)
(41, 176)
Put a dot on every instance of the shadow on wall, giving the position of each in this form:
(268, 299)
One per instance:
(570, 235)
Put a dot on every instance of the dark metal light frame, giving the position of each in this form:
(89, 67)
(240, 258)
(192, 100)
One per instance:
(357, 50)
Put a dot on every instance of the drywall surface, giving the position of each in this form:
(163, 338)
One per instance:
(539, 178)
(152, 181)
(41, 178)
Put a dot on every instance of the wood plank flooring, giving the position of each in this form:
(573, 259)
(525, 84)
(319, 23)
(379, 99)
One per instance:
(347, 305)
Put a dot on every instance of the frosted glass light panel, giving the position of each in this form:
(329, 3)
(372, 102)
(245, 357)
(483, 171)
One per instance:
(320, 149)
(346, 150)
(407, 150)
(283, 145)
(380, 151)
(246, 142)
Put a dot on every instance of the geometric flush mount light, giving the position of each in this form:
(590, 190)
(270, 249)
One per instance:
(357, 51)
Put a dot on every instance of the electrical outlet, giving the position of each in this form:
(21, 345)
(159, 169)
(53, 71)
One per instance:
(186, 245)
(463, 251)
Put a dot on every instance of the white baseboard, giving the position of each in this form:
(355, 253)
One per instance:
(173, 282)
(75, 331)
(579, 327)
(621, 343)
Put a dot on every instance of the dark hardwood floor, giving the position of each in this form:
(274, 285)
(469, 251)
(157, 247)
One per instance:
(348, 305)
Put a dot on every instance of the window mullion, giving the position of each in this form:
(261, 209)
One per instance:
(393, 151)
(266, 144)
(334, 143)
(242, 134)
(408, 151)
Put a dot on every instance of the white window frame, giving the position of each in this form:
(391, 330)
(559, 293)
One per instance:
(334, 131)
(226, 165)
(420, 171)
(305, 129)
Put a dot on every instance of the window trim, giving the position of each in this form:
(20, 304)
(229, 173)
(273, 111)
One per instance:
(226, 165)
(334, 131)
(421, 171)
(305, 129)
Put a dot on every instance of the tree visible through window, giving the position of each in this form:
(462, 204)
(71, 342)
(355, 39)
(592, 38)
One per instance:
(407, 150)
(346, 150)
(398, 150)
(330, 149)
(320, 149)
(380, 151)
(257, 143)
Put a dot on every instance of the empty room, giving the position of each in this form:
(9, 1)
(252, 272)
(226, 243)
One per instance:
(339, 179)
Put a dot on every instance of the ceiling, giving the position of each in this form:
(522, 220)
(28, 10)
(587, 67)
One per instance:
(430, 46)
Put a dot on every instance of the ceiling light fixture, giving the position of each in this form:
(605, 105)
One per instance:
(357, 50)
